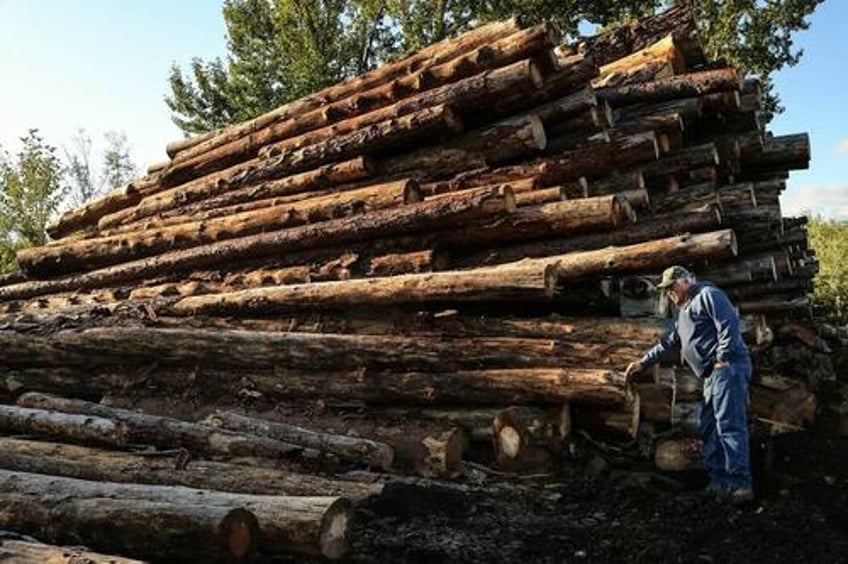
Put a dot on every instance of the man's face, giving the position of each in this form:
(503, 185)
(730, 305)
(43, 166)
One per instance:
(678, 291)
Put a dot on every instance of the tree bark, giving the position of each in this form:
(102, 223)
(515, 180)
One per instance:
(624, 70)
(89, 214)
(404, 220)
(99, 465)
(354, 449)
(190, 523)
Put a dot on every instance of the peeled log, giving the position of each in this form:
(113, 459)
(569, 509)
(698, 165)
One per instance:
(404, 220)
(354, 449)
(99, 465)
(20, 552)
(162, 431)
(190, 523)
(87, 254)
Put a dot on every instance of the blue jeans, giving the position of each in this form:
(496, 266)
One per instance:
(724, 426)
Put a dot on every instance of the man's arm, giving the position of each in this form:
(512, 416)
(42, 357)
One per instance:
(719, 308)
(667, 343)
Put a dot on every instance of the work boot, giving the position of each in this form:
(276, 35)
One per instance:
(740, 496)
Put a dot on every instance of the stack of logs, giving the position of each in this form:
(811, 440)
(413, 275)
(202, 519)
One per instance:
(439, 253)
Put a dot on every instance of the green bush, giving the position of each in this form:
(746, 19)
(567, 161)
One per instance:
(830, 241)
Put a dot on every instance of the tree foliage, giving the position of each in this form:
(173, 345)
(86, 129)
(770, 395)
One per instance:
(280, 50)
(31, 190)
(830, 240)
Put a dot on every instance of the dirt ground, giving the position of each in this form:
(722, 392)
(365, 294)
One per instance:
(621, 515)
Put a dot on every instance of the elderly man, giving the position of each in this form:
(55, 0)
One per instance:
(706, 328)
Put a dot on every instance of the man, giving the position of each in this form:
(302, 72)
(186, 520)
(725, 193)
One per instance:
(706, 327)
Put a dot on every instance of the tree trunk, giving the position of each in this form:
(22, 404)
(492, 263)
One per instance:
(406, 219)
(160, 431)
(353, 449)
(20, 552)
(98, 465)
(190, 523)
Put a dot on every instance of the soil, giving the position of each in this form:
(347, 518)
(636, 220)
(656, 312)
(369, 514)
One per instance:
(800, 515)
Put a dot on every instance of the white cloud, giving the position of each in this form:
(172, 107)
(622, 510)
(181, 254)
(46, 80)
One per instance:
(842, 147)
(829, 201)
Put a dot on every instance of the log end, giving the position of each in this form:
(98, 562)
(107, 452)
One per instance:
(240, 532)
(536, 75)
(334, 529)
(537, 128)
(412, 192)
(677, 455)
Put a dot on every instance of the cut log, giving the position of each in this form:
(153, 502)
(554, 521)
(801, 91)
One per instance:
(435, 54)
(192, 523)
(677, 455)
(406, 219)
(684, 86)
(99, 465)
(162, 431)
(483, 147)
(353, 449)
(88, 254)
(541, 196)
(20, 552)
(662, 52)
(684, 160)
(90, 213)
(186, 143)
(74, 427)
(246, 182)
(348, 115)
(622, 40)
(117, 346)
(785, 152)
(518, 429)
(654, 228)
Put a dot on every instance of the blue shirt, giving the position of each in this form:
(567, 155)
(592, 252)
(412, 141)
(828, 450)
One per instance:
(706, 327)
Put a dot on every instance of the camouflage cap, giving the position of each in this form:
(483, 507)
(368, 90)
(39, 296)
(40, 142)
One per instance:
(672, 274)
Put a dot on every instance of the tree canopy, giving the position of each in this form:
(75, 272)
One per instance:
(280, 50)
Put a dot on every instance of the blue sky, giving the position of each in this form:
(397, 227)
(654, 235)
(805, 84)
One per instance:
(103, 65)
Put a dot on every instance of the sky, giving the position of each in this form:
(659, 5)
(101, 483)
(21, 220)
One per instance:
(102, 65)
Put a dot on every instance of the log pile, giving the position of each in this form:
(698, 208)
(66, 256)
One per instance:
(448, 250)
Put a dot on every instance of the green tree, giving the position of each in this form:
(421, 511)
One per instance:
(279, 50)
(830, 240)
(31, 190)
(86, 179)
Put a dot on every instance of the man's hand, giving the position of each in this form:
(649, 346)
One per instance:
(632, 369)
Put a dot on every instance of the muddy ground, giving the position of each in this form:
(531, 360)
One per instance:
(622, 514)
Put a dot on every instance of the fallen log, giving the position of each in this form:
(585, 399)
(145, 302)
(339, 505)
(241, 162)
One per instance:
(161, 468)
(353, 449)
(200, 523)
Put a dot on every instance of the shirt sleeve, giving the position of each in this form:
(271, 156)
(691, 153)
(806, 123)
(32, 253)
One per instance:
(726, 321)
(667, 343)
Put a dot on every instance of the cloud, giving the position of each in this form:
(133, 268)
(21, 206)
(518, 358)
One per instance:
(829, 201)
(842, 147)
